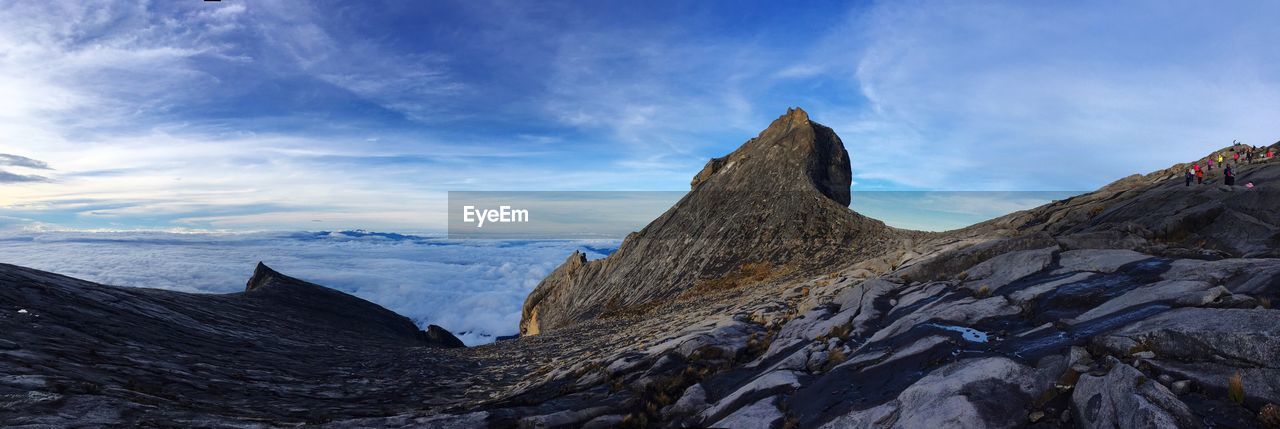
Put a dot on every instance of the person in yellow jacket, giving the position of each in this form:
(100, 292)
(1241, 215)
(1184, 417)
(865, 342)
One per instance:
(1220, 158)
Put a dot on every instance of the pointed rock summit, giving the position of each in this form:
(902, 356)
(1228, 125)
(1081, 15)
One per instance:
(790, 145)
(776, 205)
(262, 274)
(337, 311)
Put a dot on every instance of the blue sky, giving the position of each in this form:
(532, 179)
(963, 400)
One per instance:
(328, 115)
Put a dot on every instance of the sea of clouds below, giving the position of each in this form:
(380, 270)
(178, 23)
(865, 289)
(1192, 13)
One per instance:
(474, 288)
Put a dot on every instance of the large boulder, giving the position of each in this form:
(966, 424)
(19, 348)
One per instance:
(1235, 336)
(1125, 398)
(1009, 267)
(979, 393)
(1209, 346)
(1240, 275)
(1164, 291)
(769, 384)
(1098, 260)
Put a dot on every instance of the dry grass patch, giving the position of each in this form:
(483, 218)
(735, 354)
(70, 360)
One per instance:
(707, 353)
(1235, 389)
(835, 357)
(840, 331)
(1068, 379)
(759, 343)
(1096, 210)
(750, 273)
(634, 420)
(1143, 345)
(983, 291)
(615, 309)
(667, 390)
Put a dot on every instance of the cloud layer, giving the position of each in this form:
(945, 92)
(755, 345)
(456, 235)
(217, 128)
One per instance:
(474, 288)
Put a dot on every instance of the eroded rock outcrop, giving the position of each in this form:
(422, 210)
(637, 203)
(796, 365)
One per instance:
(1126, 398)
(329, 310)
(778, 204)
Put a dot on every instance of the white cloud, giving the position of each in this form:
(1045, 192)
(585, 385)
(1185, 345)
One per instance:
(801, 71)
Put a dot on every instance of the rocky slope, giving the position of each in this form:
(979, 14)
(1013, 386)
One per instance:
(1158, 212)
(1144, 304)
(75, 351)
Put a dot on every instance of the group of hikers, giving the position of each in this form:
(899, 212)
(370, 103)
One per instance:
(1226, 159)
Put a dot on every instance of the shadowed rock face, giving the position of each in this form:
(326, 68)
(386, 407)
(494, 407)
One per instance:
(779, 201)
(284, 350)
(329, 310)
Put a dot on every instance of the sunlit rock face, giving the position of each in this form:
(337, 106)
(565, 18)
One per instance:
(779, 201)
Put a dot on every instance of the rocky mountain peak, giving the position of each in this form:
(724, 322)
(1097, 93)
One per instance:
(262, 275)
(791, 152)
(335, 309)
(777, 203)
(795, 117)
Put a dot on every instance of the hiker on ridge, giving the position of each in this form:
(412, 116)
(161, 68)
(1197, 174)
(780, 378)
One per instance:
(1199, 175)
(1228, 176)
(1190, 175)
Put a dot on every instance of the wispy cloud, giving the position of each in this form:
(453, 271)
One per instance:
(7, 177)
(8, 160)
(22, 161)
